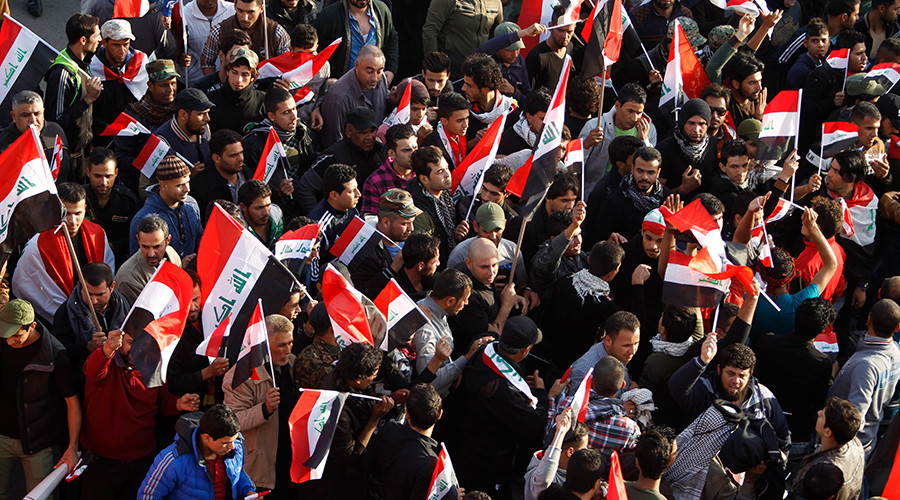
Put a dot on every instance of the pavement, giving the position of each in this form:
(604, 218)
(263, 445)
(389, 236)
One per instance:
(51, 26)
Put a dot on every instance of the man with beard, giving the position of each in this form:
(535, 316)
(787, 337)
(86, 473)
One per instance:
(396, 171)
(264, 219)
(639, 193)
(421, 257)
(743, 76)
(365, 86)
(642, 250)
(28, 109)
(186, 133)
(153, 246)
(109, 204)
(651, 20)
(116, 58)
(490, 221)
(545, 61)
(695, 388)
(430, 191)
(227, 175)
(879, 24)
(238, 103)
(689, 154)
(481, 86)
(396, 216)
(70, 98)
(247, 17)
(733, 176)
(718, 98)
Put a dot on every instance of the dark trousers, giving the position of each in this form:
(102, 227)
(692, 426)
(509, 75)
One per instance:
(114, 479)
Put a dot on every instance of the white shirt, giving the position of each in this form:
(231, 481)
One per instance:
(199, 26)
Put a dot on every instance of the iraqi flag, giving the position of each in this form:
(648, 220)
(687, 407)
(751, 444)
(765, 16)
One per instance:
(574, 155)
(739, 6)
(838, 59)
(859, 214)
(312, 425)
(294, 247)
(254, 351)
(25, 58)
(685, 77)
(357, 240)
(303, 95)
(684, 286)
(535, 11)
(780, 123)
(467, 177)
(616, 485)
(130, 8)
(443, 479)
(885, 74)
(402, 314)
(782, 208)
(151, 155)
(602, 32)
(353, 316)
(582, 396)
(125, 125)
(543, 167)
(403, 108)
(272, 154)
(56, 160)
(214, 345)
(157, 320)
(297, 68)
(759, 238)
(572, 13)
(516, 184)
(838, 136)
(134, 77)
(236, 271)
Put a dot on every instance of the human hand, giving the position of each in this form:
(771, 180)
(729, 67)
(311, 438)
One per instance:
(506, 88)
(508, 295)
(461, 231)
(595, 136)
(283, 84)
(286, 187)
(630, 408)
(166, 22)
(760, 106)
(69, 458)
(757, 204)
(557, 388)
(791, 163)
(815, 183)
(881, 167)
(690, 179)
(215, 369)
(532, 298)
(400, 396)
(96, 341)
(655, 76)
(579, 213)
(92, 90)
(273, 399)
(771, 19)
(431, 114)
(640, 275)
(859, 298)
(397, 262)
(476, 345)
(424, 131)
(188, 402)
(839, 98)
(673, 203)
(709, 348)
(388, 77)
(315, 119)
(535, 381)
(643, 128)
(442, 350)
(184, 59)
(522, 304)
(563, 422)
(533, 30)
(197, 168)
(745, 27)
(113, 342)
(617, 238)
(381, 408)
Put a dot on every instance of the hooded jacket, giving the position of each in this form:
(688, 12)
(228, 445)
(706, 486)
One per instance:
(181, 472)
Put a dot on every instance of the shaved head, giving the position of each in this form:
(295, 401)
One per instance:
(484, 260)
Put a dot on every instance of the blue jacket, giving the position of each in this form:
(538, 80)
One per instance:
(184, 222)
(179, 471)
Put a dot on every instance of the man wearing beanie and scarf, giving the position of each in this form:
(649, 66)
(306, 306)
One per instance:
(169, 200)
(689, 154)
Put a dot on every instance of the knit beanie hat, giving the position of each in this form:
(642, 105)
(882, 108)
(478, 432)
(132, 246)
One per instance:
(694, 107)
(172, 167)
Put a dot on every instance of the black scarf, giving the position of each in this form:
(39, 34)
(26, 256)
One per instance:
(644, 202)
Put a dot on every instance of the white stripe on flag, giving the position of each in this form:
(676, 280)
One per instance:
(245, 264)
(16, 59)
(781, 124)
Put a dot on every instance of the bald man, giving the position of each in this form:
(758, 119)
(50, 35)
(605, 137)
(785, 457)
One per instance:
(365, 85)
(489, 305)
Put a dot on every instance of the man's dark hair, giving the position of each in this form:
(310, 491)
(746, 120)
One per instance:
(576, 435)
(536, 101)
(812, 317)
(620, 320)
(632, 92)
(739, 356)
(648, 154)
(423, 158)
(498, 175)
(885, 318)
(69, 192)
(605, 258)
(80, 25)
(219, 421)
(97, 273)
(847, 39)
(892, 45)
(742, 66)
(843, 418)
(585, 467)
(679, 322)
(419, 247)
(622, 147)
(716, 90)
(298, 222)
(304, 36)
(436, 62)
(335, 177)
(101, 155)
(727, 312)
(476, 495)
(483, 70)
(823, 480)
(584, 97)
(831, 216)
(731, 148)
(712, 204)
(816, 27)
(252, 190)
(450, 283)
(228, 206)
(221, 139)
(450, 103)
(423, 406)
(853, 165)
(231, 38)
(358, 360)
(863, 110)
(836, 8)
(558, 222)
(195, 278)
(609, 373)
(742, 202)
(153, 223)
(562, 184)
(653, 452)
(274, 97)
(396, 133)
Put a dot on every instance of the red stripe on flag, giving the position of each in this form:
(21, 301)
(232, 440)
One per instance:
(299, 426)
(8, 34)
(613, 45)
(787, 101)
(220, 236)
(356, 224)
(516, 183)
(616, 488)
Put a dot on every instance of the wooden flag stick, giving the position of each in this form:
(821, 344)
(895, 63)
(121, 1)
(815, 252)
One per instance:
(84, 293)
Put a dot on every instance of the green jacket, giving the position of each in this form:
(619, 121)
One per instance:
(334, 22)
(458, 27)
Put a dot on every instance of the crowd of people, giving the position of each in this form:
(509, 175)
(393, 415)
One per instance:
(691, 387)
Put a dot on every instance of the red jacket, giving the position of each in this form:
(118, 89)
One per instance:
(809, 262)
(119, 411)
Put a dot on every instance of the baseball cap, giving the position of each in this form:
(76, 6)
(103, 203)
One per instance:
(719, 35)
(116, 29)
(858, 85)
(490, 216)
(691, 31)
(399, 202)
(508, 27)
(237, 53)
(889, 107)
(520, 332)
(14, 316)
(192, 99)
(654, 222)
(318, 318)
(361, 118)
(749, 130)
(161, 70)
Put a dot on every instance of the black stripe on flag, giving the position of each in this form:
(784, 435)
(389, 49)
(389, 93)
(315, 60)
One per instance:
(405, 328)
(541, 176)
(243, 369)
(144, 348)
(690, 295)
(837, 147)
(774, 148)
(33, 215)
(324, 442)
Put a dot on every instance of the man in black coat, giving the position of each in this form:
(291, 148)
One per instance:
(689, 154)
(227, 175)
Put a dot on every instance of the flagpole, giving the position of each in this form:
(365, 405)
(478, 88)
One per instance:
(846, 70)
(77, 267)
(265, 30)
(797, 138)
(269, 350)
(821, 151)
(351, 394)
(715, 322)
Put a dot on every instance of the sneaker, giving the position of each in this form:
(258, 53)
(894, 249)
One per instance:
(35, 8)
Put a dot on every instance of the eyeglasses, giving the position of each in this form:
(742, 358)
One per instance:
(719, 111)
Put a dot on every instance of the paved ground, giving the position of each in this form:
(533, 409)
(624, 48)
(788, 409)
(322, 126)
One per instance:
(52, 25)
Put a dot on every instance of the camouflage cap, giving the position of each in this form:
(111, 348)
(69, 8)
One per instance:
(691, 31)
(161, 70)
(239, 52)
(399, 202)
(719, 35)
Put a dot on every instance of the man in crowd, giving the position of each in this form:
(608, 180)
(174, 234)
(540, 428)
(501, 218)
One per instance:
(187, 133)
(430, 191)
(117, 60)
(689, 155)
(545, 61)
(458, 27)
(238, 103)
(248, 17)
(109, 204)
(316, 361)
(365, 85)
(263, 218)
(453, 124)
(227, 174)
(357, 24)
(395, 173)
(481, 86)
(28, 109)
(153, 246)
